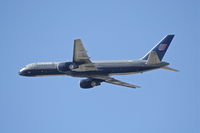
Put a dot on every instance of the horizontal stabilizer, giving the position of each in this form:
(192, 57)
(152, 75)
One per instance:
(171, 69)
(153, 58)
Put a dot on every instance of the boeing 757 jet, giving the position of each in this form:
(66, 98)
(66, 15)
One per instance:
(97, 72)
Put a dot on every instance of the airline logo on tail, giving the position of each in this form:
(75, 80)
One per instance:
(162, 47)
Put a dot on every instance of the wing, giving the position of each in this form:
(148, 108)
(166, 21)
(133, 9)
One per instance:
(80, 56)
(115, 81)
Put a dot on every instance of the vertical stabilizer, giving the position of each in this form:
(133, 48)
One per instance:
(160, 48)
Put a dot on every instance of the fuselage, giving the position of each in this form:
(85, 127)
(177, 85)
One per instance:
(103, 68)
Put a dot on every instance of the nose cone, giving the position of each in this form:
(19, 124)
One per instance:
(22, 72)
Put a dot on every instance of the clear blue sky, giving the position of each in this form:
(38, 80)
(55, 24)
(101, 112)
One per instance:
(39, 31)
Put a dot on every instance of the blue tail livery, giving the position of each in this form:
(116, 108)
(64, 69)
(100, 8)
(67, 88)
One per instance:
(161, 47)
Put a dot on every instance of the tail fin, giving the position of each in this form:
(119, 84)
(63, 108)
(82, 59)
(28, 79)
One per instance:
(161, 47)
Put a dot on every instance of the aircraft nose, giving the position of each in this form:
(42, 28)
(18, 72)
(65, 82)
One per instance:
(22, 72)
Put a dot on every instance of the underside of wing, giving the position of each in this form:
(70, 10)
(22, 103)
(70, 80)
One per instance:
(115, 81)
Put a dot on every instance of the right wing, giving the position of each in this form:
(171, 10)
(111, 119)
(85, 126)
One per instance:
(114, 81)
(80, 56)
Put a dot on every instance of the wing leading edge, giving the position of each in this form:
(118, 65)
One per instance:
(115, 81)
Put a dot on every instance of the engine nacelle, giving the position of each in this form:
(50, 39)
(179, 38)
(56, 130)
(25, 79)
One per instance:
(73, 66)
(89, 83)
(64, 66)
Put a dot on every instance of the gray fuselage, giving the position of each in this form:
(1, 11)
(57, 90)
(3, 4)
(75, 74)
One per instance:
(103, 68)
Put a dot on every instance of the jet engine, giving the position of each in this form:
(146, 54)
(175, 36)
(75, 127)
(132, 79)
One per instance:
(66, 66)
(89, 83)
(73, 66)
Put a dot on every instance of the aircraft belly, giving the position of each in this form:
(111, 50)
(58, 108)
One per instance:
(86, 74)
(44, 72)
(129, 70)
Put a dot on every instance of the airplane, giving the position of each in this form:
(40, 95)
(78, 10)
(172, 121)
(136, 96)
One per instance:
(97, 72)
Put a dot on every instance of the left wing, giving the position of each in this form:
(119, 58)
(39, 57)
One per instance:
(114, 81)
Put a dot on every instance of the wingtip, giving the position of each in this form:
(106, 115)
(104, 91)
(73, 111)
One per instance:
(137, 87)
(77, 39)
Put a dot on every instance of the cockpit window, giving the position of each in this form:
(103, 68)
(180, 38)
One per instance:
(30, 65)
